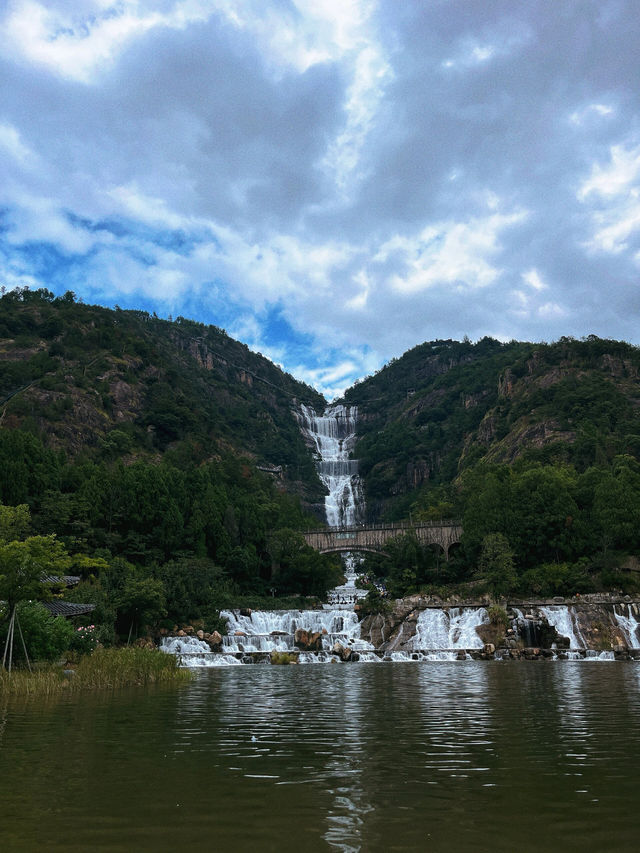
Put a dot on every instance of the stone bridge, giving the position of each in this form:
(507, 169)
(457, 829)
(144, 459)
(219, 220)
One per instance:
(372, 537)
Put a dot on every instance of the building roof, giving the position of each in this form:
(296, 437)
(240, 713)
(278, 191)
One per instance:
(65, 580)
(67, 608)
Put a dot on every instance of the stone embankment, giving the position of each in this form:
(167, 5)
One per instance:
(520, 629)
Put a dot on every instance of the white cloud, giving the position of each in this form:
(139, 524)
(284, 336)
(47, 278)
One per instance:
(614, 191)
(585, 115)
(615, 177)
(457, 253)
(533, 279)
(76, 41)
(13, 145)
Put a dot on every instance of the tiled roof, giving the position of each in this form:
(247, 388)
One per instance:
(66, 580)
(67, 608)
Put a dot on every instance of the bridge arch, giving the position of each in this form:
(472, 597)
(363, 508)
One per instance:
(373, 537)
(350, 549)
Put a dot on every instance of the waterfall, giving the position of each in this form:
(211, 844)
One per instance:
(564, 620)
(526, 628)
(453, 629)
(332, 437)
(195, 653)
(629, 626)
(274, 630)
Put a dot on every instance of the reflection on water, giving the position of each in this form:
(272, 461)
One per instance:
(437, 756)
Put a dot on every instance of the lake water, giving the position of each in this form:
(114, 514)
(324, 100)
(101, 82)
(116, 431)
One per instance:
(468, 756)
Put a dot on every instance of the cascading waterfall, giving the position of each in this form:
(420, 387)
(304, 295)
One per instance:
(332, 437)
(438, 629)
(195, 653)
(564, 620)
(274, 630)
(526, 628)
(629, 625)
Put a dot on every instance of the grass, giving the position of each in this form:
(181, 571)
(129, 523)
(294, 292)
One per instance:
(105, 668)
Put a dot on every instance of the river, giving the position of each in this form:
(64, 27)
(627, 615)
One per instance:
(465, 756)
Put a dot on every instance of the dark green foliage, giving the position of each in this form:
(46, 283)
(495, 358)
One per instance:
(46, 637)
(104, 383)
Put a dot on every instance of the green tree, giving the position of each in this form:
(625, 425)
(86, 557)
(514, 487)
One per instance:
(140, 602)
(496, 564)
(24, 564)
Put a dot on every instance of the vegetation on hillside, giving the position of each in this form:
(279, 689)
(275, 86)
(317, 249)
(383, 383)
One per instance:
(536, 448)
(133, 450)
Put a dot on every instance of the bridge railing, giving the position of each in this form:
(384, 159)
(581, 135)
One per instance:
(398, 525)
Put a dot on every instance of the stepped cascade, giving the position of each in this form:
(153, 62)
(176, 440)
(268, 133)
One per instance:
(334, 633)
(332, 437)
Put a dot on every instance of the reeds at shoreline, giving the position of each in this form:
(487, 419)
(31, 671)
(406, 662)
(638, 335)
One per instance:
(104, 669)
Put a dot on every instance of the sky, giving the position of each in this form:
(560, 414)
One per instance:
(331, 181)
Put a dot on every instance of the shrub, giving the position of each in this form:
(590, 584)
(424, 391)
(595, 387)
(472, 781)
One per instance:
(498, 615)
(46, 637)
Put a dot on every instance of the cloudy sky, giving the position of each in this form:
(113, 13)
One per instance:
(331, 181)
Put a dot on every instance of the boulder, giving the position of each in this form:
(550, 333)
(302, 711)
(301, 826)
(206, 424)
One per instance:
(215, 641)
(200, 634)
(301, 638)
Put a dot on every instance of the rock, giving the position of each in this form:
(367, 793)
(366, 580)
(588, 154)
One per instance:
(181, 633)
(215, 641)
(301, 638)
(189, 629)
(200, 634)
(239, 634)
(489, 649)
(245, 611)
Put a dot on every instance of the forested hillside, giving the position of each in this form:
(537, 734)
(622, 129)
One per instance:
(165, 459)
(163, 455)
(536, 447)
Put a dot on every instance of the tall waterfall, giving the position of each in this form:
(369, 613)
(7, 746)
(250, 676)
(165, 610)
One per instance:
(332, 437)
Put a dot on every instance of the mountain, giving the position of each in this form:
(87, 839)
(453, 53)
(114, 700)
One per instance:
(534, 447)
(173, 448)
(447, 406)
(164, 455)
(102, 384)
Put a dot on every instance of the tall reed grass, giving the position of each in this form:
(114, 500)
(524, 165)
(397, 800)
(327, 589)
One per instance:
(105, 668)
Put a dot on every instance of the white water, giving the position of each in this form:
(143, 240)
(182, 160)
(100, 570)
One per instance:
(629, 626)
(193, 653)
(347, 594)
(332, 436)
(446, 630)
(565, 621)
(274, 630)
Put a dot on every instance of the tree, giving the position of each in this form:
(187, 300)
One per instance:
(141, 601)
(24, 564)
(496, 563)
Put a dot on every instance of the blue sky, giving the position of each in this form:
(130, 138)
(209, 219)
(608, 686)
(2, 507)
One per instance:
(331, 181)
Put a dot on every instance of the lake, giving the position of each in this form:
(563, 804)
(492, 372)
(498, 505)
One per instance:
(448, 756)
